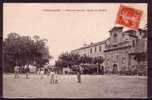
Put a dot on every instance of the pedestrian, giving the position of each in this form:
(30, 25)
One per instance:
(41, 72)
(102, 70)
(27, 71)
(52, 77)
(16, 71)
(56, 78)
(38, 71)
(79, 74)
(48, 72)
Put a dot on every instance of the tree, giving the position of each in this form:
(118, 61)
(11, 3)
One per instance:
(68, 59)
(40, 50)
(10, 51)
(23, 51)
(71, 59)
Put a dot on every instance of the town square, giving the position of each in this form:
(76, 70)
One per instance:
(78, 50)
(97, 86)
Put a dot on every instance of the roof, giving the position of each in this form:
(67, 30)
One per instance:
(131, 33)
(91, 45)
(116, 28)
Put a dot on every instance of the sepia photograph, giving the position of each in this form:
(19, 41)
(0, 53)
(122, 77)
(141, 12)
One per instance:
(75, 50)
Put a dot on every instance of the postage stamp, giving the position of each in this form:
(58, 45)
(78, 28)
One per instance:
(129, 17)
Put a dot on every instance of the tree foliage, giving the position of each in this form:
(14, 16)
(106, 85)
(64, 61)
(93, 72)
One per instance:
(23, 51)
(67, 59)
(70, 59)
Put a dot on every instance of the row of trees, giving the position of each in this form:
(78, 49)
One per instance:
(24, 51)
(70, 59)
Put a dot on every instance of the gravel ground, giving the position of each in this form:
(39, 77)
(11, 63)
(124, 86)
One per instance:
(92, 86)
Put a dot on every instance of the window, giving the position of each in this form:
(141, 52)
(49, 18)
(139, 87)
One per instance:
(123, 60)
(107, 62)
(100, 48)
(115, 37)
(123, 35)
(133, 43)
(95, 49)
(116, 58)
(126, 38)
(140, 33)
(91, 50)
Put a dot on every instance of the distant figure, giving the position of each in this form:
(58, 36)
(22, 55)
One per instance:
(79, 74)
(42, 72)
(38, 71)
(16, 71)
(81, 69)
(102, 70)
(27, 71)
(48, 72)
(52, 77)
(56, 78)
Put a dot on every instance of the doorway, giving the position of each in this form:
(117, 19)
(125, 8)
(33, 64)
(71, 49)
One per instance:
(115, 69)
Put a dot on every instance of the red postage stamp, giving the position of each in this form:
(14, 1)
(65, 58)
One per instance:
(129, 17)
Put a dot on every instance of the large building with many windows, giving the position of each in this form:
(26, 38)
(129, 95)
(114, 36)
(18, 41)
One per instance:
(92, 50)
(122, 51)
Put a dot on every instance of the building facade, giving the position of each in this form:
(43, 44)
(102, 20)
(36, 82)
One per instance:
(92, 50)
(125, 51)
(122, 51)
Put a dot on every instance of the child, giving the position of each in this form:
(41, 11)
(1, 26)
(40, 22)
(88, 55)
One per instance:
(52, 77)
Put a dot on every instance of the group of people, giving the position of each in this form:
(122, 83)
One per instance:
(52, 73)
(17, 71)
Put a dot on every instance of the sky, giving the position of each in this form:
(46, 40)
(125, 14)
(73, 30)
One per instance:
(67, 26)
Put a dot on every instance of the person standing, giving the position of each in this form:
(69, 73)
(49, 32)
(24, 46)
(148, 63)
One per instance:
(56, 78)
(27, 71)
(16, 71)
(52, 77)
(79, 74)
(48, 72)
(102, 70)
(41, 72)
(38, 71)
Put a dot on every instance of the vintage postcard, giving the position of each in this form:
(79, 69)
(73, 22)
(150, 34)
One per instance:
(75, 50)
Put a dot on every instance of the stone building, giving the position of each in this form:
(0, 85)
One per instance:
(122, 51)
